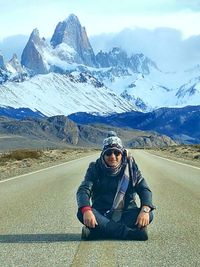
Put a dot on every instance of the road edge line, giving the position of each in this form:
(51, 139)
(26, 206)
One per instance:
(184, 164)
(44, 169)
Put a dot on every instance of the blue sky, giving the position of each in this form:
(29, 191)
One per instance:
(22, 16)
(167, 31)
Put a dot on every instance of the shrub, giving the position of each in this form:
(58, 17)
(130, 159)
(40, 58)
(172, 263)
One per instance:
(197, 156)
(21, 154)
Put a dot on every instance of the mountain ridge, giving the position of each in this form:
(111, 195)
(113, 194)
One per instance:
(51, 94)
(61, 130)
(181, 124)
(136, 78)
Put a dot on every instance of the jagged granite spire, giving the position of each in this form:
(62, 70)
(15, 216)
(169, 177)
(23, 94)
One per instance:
(32, 56)
(3, 72)
(115, 58)
(15, 64)
(2, 65)
(141, 64)
(73, 34)
(138, 63)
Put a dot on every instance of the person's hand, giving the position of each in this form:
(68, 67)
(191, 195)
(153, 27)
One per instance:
(89, 219)
(142, 219)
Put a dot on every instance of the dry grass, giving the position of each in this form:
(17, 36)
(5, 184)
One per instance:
(21, 154)
(190, 153)
(23, 160)
(185, 151)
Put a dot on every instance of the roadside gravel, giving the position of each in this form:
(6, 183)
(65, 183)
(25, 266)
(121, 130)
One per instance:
(48, 158)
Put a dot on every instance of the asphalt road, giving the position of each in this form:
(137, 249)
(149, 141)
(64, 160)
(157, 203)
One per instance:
(38, 225)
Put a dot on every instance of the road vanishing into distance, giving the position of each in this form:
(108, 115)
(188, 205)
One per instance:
(38, 225)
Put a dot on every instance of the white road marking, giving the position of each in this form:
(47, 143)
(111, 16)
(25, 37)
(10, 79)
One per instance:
(184, 164)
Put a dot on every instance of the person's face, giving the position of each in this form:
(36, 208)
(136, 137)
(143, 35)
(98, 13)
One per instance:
(112, 157)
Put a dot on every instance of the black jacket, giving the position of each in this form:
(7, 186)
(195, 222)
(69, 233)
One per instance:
(98, 189)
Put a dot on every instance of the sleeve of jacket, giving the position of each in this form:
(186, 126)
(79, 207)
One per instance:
(84, 191)
(143, 189)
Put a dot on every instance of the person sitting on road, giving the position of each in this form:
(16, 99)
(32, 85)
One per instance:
(106, 197)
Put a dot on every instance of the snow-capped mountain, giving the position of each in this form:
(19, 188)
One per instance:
(153, 90)
(71, 33)
(137, 63)
(189, 92)
(69, 45)
(59, 94)
(67, 70)
(33, 56)
(12, 70)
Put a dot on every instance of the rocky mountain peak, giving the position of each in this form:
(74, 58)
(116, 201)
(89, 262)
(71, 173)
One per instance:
(32, 56)
(2, 65)
(142, 64)
(74, 35)
(35, 38)
(117, 57)
(117, 50)
(12, 70)
(3, 72)
(72, 19)
(14, 65)
(66, 32)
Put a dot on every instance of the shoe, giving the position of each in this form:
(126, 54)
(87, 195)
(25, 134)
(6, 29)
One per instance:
(90, 234)
(139, 234)
(85, 235)
(142, 234)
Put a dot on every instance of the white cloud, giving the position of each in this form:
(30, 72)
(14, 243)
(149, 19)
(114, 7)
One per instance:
(21, 17)
(165, 46)
(187, 23)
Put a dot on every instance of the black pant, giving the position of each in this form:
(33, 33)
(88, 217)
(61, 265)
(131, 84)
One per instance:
(112, 228)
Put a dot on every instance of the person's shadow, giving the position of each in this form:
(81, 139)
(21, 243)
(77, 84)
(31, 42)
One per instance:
(39, 238)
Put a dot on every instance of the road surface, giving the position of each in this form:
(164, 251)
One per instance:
(38, 225)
